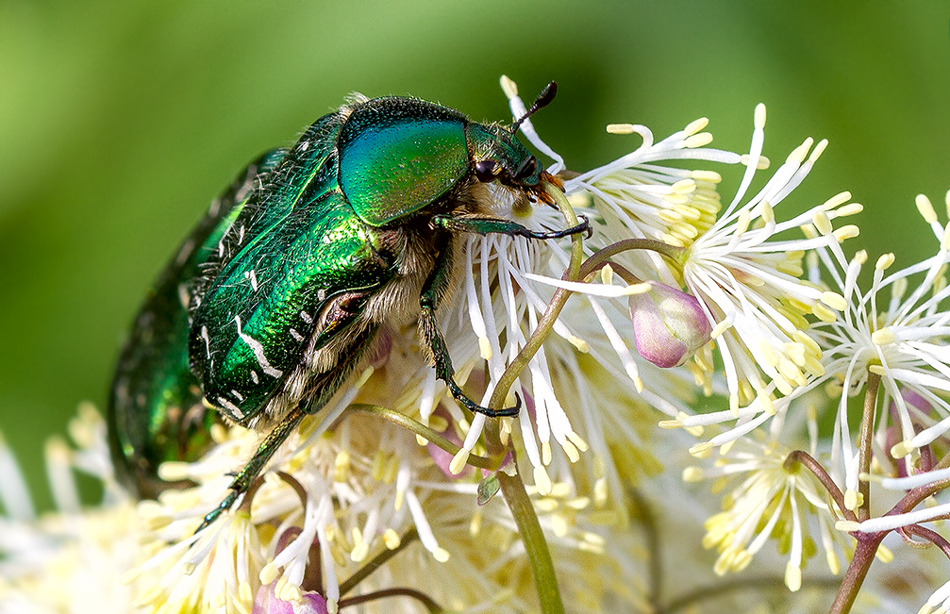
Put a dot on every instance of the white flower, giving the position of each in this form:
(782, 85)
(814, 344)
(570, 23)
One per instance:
(507, 289)
(897, 330)
(56, 563)
(749, 281)
(770, 498)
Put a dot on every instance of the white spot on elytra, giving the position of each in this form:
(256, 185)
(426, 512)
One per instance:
(297, 336)
(204, 335)
(306, 317)
(258, 350)
(231, 407)
(253, 277)
(321, 295)
(237, 395)
(254, 377)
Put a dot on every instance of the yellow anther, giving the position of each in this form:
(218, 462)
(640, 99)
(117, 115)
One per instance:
(696, 125)
(711, 176)
(925, 208)
(508, 87)
(793, 576)
(846, 232)
(542, 481)
(545, 453)
(822, 222)
(799, 154)
(701, 450)
(484, 347)
(459, 461)
(902, 449)
(698, 140)
(693, 474)
(884, 262)
(391, 539)
(824, 314)
(851, 209)
(620, 128)
(834, 300)
(759, 117)
(884, 336)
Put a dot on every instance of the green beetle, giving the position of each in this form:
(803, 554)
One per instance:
(355, 227)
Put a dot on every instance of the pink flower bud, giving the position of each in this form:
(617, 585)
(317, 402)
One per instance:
(668, 325)
(267, 602)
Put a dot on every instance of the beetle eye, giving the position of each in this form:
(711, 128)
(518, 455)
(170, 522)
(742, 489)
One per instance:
(529, 168)
(485, 170)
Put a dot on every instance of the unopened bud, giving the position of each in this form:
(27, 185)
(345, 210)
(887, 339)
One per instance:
(268, 602)
(668, 325)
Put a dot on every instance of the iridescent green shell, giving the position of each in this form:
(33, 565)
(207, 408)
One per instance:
(155, 407)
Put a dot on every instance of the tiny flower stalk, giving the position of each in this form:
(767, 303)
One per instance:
(669, 326)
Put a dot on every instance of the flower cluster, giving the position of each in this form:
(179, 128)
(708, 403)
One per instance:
(673, 303)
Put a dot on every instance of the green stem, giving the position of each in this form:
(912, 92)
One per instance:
(423, 431)
(512, 487)
(529, 528)
(546, 322)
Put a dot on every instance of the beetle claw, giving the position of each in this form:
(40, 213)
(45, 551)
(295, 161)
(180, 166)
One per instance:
(475, 408)
(224, 506)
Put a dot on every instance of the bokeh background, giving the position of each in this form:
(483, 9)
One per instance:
(120, 121)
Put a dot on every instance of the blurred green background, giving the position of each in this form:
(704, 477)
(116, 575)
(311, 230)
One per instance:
(120, 121)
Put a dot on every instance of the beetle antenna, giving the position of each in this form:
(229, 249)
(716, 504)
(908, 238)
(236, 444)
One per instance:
(543, 100)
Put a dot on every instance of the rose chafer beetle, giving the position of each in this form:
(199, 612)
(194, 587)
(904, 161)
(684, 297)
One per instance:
(275, 298)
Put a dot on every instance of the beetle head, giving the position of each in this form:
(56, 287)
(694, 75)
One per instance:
(498, 154)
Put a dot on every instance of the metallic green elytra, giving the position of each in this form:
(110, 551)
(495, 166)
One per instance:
(155, 410)
(354, 228)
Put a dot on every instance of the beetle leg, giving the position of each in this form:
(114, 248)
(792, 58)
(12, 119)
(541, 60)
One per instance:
(491, 225)
(265, 451)
(325, 386)
(436, 286)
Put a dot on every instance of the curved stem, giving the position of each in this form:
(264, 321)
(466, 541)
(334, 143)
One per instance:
(933, 537)
(377, 561)
(730, 586)
(512, 487)
(546, 322)
(806, 460)
(428, 602)
(868, 543)
(671, 252)
(423, 431)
